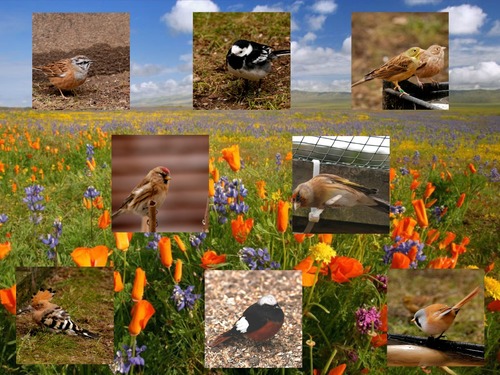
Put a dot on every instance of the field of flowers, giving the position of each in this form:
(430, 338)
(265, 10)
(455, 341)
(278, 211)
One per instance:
(55, 173)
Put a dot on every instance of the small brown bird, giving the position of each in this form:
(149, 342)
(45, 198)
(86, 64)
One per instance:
(398, 68)
(329, 190)
(432, 62)
(67, 74)
(154, 187)
(436, 319)
(52, 316)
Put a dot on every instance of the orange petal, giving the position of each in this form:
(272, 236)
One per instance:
(139, 283)
(165, 247)
(141, 313)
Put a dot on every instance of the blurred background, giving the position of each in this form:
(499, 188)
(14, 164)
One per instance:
(186, 156)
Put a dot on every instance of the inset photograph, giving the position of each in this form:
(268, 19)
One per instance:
(65, 315)
(253, 319)
(400, 61)
(81, 61)
(341, 184)
(435, 317)
(159, 183)
(241, 60)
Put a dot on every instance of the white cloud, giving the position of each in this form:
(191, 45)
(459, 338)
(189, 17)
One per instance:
(308, 61)
(267, 8)
(465, 19)
(316, 22)
(421, 2)
(146, 70)
(309, 37)
(484, 75)
(324, 6)
(495, 30)
(169, 87)
(346, 46)
(321, 86)
(465, 52)
(180, 18)
(296, 6)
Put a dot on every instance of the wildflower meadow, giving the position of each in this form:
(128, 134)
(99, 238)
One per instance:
(55, 174)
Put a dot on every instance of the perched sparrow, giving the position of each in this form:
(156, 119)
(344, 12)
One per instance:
(437, 318)
(398, 68)
(251, 60)
(52, 316)
(432, 62)
(260, 322)
(67, 74)
(154, 187)
(329, 190)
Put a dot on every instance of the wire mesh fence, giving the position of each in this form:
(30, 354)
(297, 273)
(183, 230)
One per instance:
(361, 151)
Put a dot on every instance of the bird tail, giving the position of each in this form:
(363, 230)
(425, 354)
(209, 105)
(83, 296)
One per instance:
(382, 205)
(282, 52)
(87, 334)
(466, 299)
(116, 214)
(220, 339)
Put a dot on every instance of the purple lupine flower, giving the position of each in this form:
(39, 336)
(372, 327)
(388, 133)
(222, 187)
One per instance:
(196, 239)
(367, 319)
(3, 219)
(184, 298)
(153, 244)
(258, 259)
(404, 247)
(91, 193)
(90, 151)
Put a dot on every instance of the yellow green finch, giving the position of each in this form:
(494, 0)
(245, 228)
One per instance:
(398, 68)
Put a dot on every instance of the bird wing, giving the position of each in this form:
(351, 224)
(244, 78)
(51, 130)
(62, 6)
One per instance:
(334, 179)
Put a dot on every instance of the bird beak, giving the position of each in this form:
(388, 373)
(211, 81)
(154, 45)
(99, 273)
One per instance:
(296, 205)
(413, 320)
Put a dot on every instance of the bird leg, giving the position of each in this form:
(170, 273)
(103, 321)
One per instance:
(62, 93)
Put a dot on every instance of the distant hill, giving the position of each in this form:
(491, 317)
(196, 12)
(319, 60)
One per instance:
(164, 101)
(475, 97)
(321, 100)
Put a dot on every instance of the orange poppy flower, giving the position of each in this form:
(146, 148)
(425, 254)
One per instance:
(429, 189)
(283, 208)
(400, 261)
(141, 312)
(325, 238)
(179, 243)
(379, 340)
(241, 228)
(421, 213)
(308, 271)
(215, 174)
(261, 189)
(122, 240)
(5, 249)
(450, 236)
(211, 187)
(98, 203)
(139, 283)
(441, 263)
(344, 268)
(405, 228)
(87, 203)
(461, 200)
(232, 156)
(492, 306)
(165, 247)
(383, 318)
(104, 220)
(8, 299)
(432, 235)
(392, 174)
(91, 257)
(414, 185)
(210, 258)
(178, 271)
(472, 168)
(339, 370)
(118, 281)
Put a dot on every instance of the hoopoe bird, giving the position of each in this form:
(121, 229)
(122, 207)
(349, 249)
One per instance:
(52, 316)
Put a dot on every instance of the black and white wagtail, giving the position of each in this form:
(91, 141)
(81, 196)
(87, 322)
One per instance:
(251, 60)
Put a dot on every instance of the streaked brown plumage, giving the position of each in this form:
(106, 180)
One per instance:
(153, 187)
(329, 190)
(67, 74)
(398, 68)
(432, 62)
(52, 316)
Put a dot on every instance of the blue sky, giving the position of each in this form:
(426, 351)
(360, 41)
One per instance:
(161, 41)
